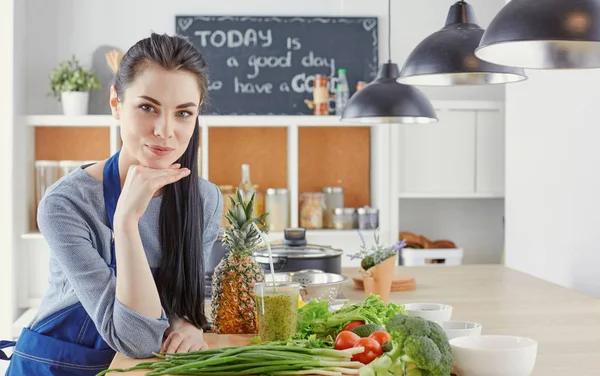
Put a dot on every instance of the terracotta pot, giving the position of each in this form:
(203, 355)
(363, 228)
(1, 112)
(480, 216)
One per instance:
(378, 279)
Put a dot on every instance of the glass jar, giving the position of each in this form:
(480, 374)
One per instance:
(66, 167)
(368, 218)
(334, 198)
(277, 205)
(259, 201)
(311, 212)
(344, 219)
(46, 174)
(321, 95)
(226, 191)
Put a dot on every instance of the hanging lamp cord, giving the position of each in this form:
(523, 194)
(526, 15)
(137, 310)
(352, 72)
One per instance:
(390, 31)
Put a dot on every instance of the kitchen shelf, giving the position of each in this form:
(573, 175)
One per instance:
(23, 321)
(271, 235)
(32, 236)
(408, 195)
(209, 120)
(70, 121)
(249, 120)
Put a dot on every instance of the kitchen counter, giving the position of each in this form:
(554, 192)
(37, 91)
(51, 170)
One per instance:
(566, 323)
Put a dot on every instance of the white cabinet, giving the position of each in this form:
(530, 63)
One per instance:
(439, 157)
(462, 155)
(490, 153)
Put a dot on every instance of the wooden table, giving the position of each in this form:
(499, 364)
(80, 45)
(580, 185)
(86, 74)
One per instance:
(565, 323)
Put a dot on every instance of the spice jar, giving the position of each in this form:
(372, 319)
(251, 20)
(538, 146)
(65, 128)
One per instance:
(311, 211)
(344, 218)
(334, 198)
(368, 218)
(277, 205)
(321, 95)
(360, 85)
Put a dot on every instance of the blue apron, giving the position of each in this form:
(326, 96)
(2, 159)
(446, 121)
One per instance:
(67, 343)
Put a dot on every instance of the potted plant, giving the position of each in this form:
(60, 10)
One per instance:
(71, 84)
(377, 265)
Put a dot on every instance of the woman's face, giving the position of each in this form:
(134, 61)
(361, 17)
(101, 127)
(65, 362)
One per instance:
(157, 114)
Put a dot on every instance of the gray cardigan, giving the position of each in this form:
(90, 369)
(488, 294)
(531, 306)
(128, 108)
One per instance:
(72, 218)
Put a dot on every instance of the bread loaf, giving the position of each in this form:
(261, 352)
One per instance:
(441, 244)
(413, 240)
(421, 242)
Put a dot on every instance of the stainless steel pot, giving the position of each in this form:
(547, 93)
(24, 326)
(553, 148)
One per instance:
(295, 255)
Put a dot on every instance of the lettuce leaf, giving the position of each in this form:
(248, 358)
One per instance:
(315, 318)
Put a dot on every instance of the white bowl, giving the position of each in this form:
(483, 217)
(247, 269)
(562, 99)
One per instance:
(429, 311)
(455, 329)
(493, 355)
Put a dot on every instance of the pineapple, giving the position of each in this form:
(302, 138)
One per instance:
(233, 306)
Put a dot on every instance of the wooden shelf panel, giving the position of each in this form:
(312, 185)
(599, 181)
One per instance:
(264, 149)
(61, 143)
(336, 156)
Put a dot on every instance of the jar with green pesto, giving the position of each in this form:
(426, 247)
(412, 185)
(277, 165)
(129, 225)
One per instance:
(277, 309)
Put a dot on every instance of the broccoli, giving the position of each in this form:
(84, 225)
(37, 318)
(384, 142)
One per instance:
(419, 348)
(424, 347)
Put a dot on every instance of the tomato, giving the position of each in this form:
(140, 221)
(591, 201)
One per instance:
(381, 337)
(353, 324)
(372, 350)
(345, 340)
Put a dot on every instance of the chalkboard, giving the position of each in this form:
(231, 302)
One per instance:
(267, 65)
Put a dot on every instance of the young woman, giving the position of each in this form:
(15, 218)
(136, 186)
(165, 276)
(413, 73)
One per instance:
(129, 235)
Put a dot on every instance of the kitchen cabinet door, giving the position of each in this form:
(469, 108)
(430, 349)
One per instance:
(490, 152)
(439, 158)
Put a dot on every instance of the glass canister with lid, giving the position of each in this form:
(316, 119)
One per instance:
(277, 206)
(311, 211)
(368, 218)
(334, 198)
(344, 218)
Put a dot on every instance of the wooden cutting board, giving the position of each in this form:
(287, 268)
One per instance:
(404, 283)
(213, 340)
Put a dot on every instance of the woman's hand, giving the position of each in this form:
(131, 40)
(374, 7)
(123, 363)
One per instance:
(140, 186)
(184, 337)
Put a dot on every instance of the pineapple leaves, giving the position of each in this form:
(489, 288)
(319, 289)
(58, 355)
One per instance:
(242, 237)
(238, 195)
(250, 206)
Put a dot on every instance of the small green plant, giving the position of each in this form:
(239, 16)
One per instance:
(70, 76)
(376, 253)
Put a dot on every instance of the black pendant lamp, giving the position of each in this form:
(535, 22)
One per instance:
(384, 100)
(544, 34)
(447, 57)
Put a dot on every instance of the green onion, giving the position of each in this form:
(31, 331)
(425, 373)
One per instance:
(265, 359)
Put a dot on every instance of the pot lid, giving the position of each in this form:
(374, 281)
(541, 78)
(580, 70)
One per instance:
(302, 252)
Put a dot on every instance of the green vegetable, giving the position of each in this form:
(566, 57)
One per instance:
(419, 348)
(312, 342)
(270, 358)
(367, 329)
(316, 318)
(387, 347)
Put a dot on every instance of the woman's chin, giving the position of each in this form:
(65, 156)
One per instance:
(158, 162)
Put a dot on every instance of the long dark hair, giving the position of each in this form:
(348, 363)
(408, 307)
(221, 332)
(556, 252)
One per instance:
(180, 279)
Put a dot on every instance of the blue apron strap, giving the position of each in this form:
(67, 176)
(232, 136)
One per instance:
(112, 190)
(5, 345)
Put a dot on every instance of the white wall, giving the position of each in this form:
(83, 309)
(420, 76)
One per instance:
(6, 118)
(475, 225)
(552, 181)
(57, 29)
(12, 105)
